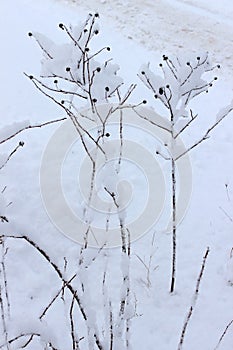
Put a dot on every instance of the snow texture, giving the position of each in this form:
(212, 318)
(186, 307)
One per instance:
(145, 31)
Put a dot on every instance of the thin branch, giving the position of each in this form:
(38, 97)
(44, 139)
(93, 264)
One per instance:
(32, 127)
(111, 326)
(187, 124)
(60, 275)
(223, 334)
(72, 327)
(151, 121)
(227, 215)
(55, 297)
(4, 253)
(19, 337)
(193, 304)
(21, 144)
(206, 136)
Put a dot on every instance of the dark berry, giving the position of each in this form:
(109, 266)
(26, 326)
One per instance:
(96, 32)
(168, 86)
(143, 73)
(61, 26)
(31, 77)
(198, 58)
(107, 134)
(160, 91)
(107, 88)
(218, 66)
(144, 102)
(67, 69)
(98, 69)
(215, 78)
(62, 102)
(188, 63)
(155, 96)
(85, 30)
(55, 81)
(97, 15)
(29, 34)
(87, 49)
(160, 65)
(94, 100)
(108, 48)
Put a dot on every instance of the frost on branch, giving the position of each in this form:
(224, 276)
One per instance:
(71, 70)
(181, 80)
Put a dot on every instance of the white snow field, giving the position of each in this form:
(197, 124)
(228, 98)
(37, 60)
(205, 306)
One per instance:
(171, 25)
(42, 268)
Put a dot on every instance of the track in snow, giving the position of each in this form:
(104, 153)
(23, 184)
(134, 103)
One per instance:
(170, 26)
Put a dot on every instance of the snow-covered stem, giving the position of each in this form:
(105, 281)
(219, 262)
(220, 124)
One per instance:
(28, 341)
(61, 277)
(194, 301)
(75, 345)
(147, 265)
(4, 277)
(4, 298)
(223, 334)
(21, 144)
(173, 274)
(3, 318)
(226, 112)
(31, 127)
(181, 81)
(111, 326)
(55, 298)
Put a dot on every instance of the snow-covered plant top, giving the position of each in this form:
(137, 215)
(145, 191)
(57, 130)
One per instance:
(72, 68)
(182, 79)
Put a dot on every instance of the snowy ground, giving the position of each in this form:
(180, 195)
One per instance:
(137, 33)
(171, 25)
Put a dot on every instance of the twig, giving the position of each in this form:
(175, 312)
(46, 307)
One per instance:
(72, 328)
(55, 297)
(111, 326)
(4, 319)
(32, 127)
(206, 136)
(4, 253)
(20, 336)
(193, 304)
(21, 144)
(223, 334)
(63, 279)
(227, 215)
(173, 275)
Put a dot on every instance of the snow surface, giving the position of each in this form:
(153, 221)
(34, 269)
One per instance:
(168, 26)
(137, 32)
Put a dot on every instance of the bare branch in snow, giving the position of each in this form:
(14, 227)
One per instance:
(21, 144)
(193, 304)
(32, 127)
(223, 334)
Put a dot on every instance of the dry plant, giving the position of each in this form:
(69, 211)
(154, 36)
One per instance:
(73, 79)
(181, 81)
(194, 301)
